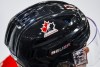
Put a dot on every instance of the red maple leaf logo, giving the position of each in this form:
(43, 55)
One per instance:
(44, 27)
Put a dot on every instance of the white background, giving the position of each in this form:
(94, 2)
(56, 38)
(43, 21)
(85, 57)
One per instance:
(8, 8)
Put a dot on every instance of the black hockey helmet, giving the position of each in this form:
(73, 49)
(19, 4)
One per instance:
(46, 34)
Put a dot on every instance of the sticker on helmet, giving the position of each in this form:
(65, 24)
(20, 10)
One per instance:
(80, 57)
(48, 28)
(69, 7)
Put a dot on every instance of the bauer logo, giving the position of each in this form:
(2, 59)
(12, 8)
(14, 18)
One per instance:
(60, 49)
(48, 28)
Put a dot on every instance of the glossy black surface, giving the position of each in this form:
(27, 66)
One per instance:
(26, 41)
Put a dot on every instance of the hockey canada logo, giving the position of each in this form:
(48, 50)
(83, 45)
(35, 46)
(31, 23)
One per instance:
(48, 28)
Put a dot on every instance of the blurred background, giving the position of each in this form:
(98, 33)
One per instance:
(91, 8)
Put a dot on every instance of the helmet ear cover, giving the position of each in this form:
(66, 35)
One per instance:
(29, 44)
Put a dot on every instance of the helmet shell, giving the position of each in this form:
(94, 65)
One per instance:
(45, 33)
